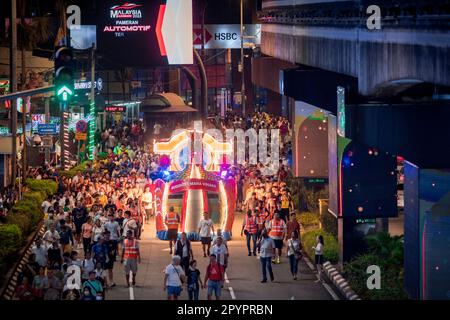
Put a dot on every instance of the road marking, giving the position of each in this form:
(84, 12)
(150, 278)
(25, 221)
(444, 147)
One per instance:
(232, 293)
(233, 296)
(330, 291)
(131, 287)
(325, 285)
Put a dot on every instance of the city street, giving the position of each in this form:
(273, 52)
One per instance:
(242, 281)
(317, 128)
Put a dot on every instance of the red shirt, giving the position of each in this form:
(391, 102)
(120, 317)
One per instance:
(214, 272)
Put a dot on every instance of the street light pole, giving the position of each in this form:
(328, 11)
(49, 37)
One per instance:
(204, 30)
(13, 88)
(242, 59)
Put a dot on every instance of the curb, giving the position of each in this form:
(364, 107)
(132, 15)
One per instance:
(339, 281)
(11, 284)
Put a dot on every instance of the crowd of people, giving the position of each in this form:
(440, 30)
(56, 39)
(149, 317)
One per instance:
(99, 215)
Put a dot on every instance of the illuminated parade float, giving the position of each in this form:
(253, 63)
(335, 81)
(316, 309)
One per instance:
(194, 182)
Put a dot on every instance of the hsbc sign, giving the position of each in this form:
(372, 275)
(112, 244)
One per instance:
(227, 36)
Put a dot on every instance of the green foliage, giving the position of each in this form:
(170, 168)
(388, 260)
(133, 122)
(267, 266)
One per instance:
(73, 172)
(48, 187)
(21, 220)
(312, 196)
(102, 155)
(386, 252)
(35, 196)
(389, 248)
(305, 198)
(10, 240)
(329, 223)
(309, 219)
(331, 246)
(391, 278)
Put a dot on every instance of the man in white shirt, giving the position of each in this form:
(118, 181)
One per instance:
(205, 226)
(221, 252)
(40, 253)
(47, 204)
(174, 278)
(147, 202)
(50, 236)
(129, 224)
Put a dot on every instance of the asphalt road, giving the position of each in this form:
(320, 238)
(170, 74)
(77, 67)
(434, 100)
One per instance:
(243, 275)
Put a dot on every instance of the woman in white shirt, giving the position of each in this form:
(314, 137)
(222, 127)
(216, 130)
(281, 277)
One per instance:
(319, 256)
(97, 231)
(294, 253)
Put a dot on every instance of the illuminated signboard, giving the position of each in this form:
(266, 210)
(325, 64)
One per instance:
(86, 85)
(145, 33)
(341, 111)
(115, 108)
(227, 36)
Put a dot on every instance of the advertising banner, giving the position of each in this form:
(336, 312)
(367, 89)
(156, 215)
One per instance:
(193, 184)
(145, 33)
(227, 36)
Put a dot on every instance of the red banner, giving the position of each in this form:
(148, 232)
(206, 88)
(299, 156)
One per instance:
(193, 184)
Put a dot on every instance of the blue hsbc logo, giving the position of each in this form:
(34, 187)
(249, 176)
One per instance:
(226, 36)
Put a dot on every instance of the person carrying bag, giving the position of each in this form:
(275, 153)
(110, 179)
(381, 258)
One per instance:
(294, 253)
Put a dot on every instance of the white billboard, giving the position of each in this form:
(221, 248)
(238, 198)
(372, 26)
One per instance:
(227, 36)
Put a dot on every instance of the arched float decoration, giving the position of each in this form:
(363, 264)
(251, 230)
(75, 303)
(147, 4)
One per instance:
(195, 188)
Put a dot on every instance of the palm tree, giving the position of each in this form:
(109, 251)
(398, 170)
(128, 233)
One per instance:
(390, 248)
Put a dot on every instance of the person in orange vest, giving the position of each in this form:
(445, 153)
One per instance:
(130, 257)
(172, 220)
(250, 228)
(277, 231)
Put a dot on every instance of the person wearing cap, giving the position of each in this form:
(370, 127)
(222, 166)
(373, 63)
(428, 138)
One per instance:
(131, 256)
(174, 277)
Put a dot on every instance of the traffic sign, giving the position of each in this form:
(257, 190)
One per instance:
(64, 93)
(80, 136)
(47, 129)
(81, 126)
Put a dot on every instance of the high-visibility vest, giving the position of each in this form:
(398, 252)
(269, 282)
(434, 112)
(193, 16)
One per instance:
(261, 220)
(250, 224)
(131, 249)
(172, 220)
(277, 229)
